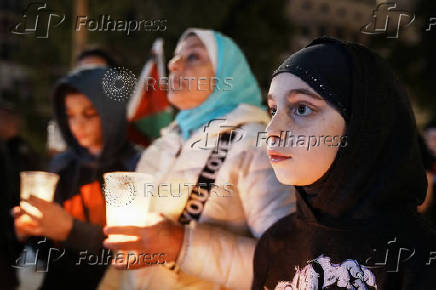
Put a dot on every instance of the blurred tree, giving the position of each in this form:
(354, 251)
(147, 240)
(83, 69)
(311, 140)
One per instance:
(414, 60)
(261, 28)
(44, 60)
(264, 32)
(421, 58)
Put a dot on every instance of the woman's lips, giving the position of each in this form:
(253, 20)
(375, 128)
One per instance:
(177, 83)
(275, 156)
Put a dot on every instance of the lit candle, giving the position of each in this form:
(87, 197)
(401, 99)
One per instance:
(127, 201)
(38, 183)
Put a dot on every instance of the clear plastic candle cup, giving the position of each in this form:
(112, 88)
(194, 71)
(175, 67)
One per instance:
(127, 203)
(37, 183)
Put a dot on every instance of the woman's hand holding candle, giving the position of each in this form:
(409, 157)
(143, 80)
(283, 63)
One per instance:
(163, 237)
(23, 224)
(54, 223)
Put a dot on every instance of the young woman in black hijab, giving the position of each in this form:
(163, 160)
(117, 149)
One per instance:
(358, 174)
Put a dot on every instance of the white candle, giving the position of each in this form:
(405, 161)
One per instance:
(38, 183)
(127, 203)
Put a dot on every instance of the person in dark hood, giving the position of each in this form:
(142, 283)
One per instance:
(94, 128)
(358, 174)
(8, 242)
(95, 55)
(16, 155)
(429, 207)
(428, 160)
(430, 138)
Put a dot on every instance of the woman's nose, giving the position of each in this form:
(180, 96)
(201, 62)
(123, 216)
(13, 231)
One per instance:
(79, 123)
(175, 63)
(273, 140)
(274, 130)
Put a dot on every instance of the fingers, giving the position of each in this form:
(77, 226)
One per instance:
(123, 230)
(155, 218)
(32, 212)
(129, 261)
(120, 266)
(31, 231)
(25, 226)
(127, 245)
(26, 221)
(353, 268)
(16, 212)
(38, 202)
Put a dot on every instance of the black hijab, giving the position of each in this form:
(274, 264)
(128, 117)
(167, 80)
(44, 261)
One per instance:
(380, 171)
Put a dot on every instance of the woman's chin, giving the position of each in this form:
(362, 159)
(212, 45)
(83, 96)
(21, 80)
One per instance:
(178, 99)
(284, 177)
(288, 178)
(84, 143)
(187, 99)
(88, 144)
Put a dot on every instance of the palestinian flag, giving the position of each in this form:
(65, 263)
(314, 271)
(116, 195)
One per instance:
(148, 109)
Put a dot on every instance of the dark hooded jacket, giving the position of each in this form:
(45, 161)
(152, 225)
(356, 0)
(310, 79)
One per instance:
(79, 189)
(8, 241)
(357, 226)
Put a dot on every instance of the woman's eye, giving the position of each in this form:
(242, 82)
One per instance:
(303, 110)
(273, 111)
(192, 57)
(89, 116)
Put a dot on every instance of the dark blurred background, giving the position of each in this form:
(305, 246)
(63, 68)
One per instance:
(266, 30)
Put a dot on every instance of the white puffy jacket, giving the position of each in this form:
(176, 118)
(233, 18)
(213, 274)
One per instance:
(218, 250)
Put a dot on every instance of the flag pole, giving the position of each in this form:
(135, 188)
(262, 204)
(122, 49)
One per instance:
(79, 38)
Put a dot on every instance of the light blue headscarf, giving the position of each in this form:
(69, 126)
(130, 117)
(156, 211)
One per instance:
(231, 64)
